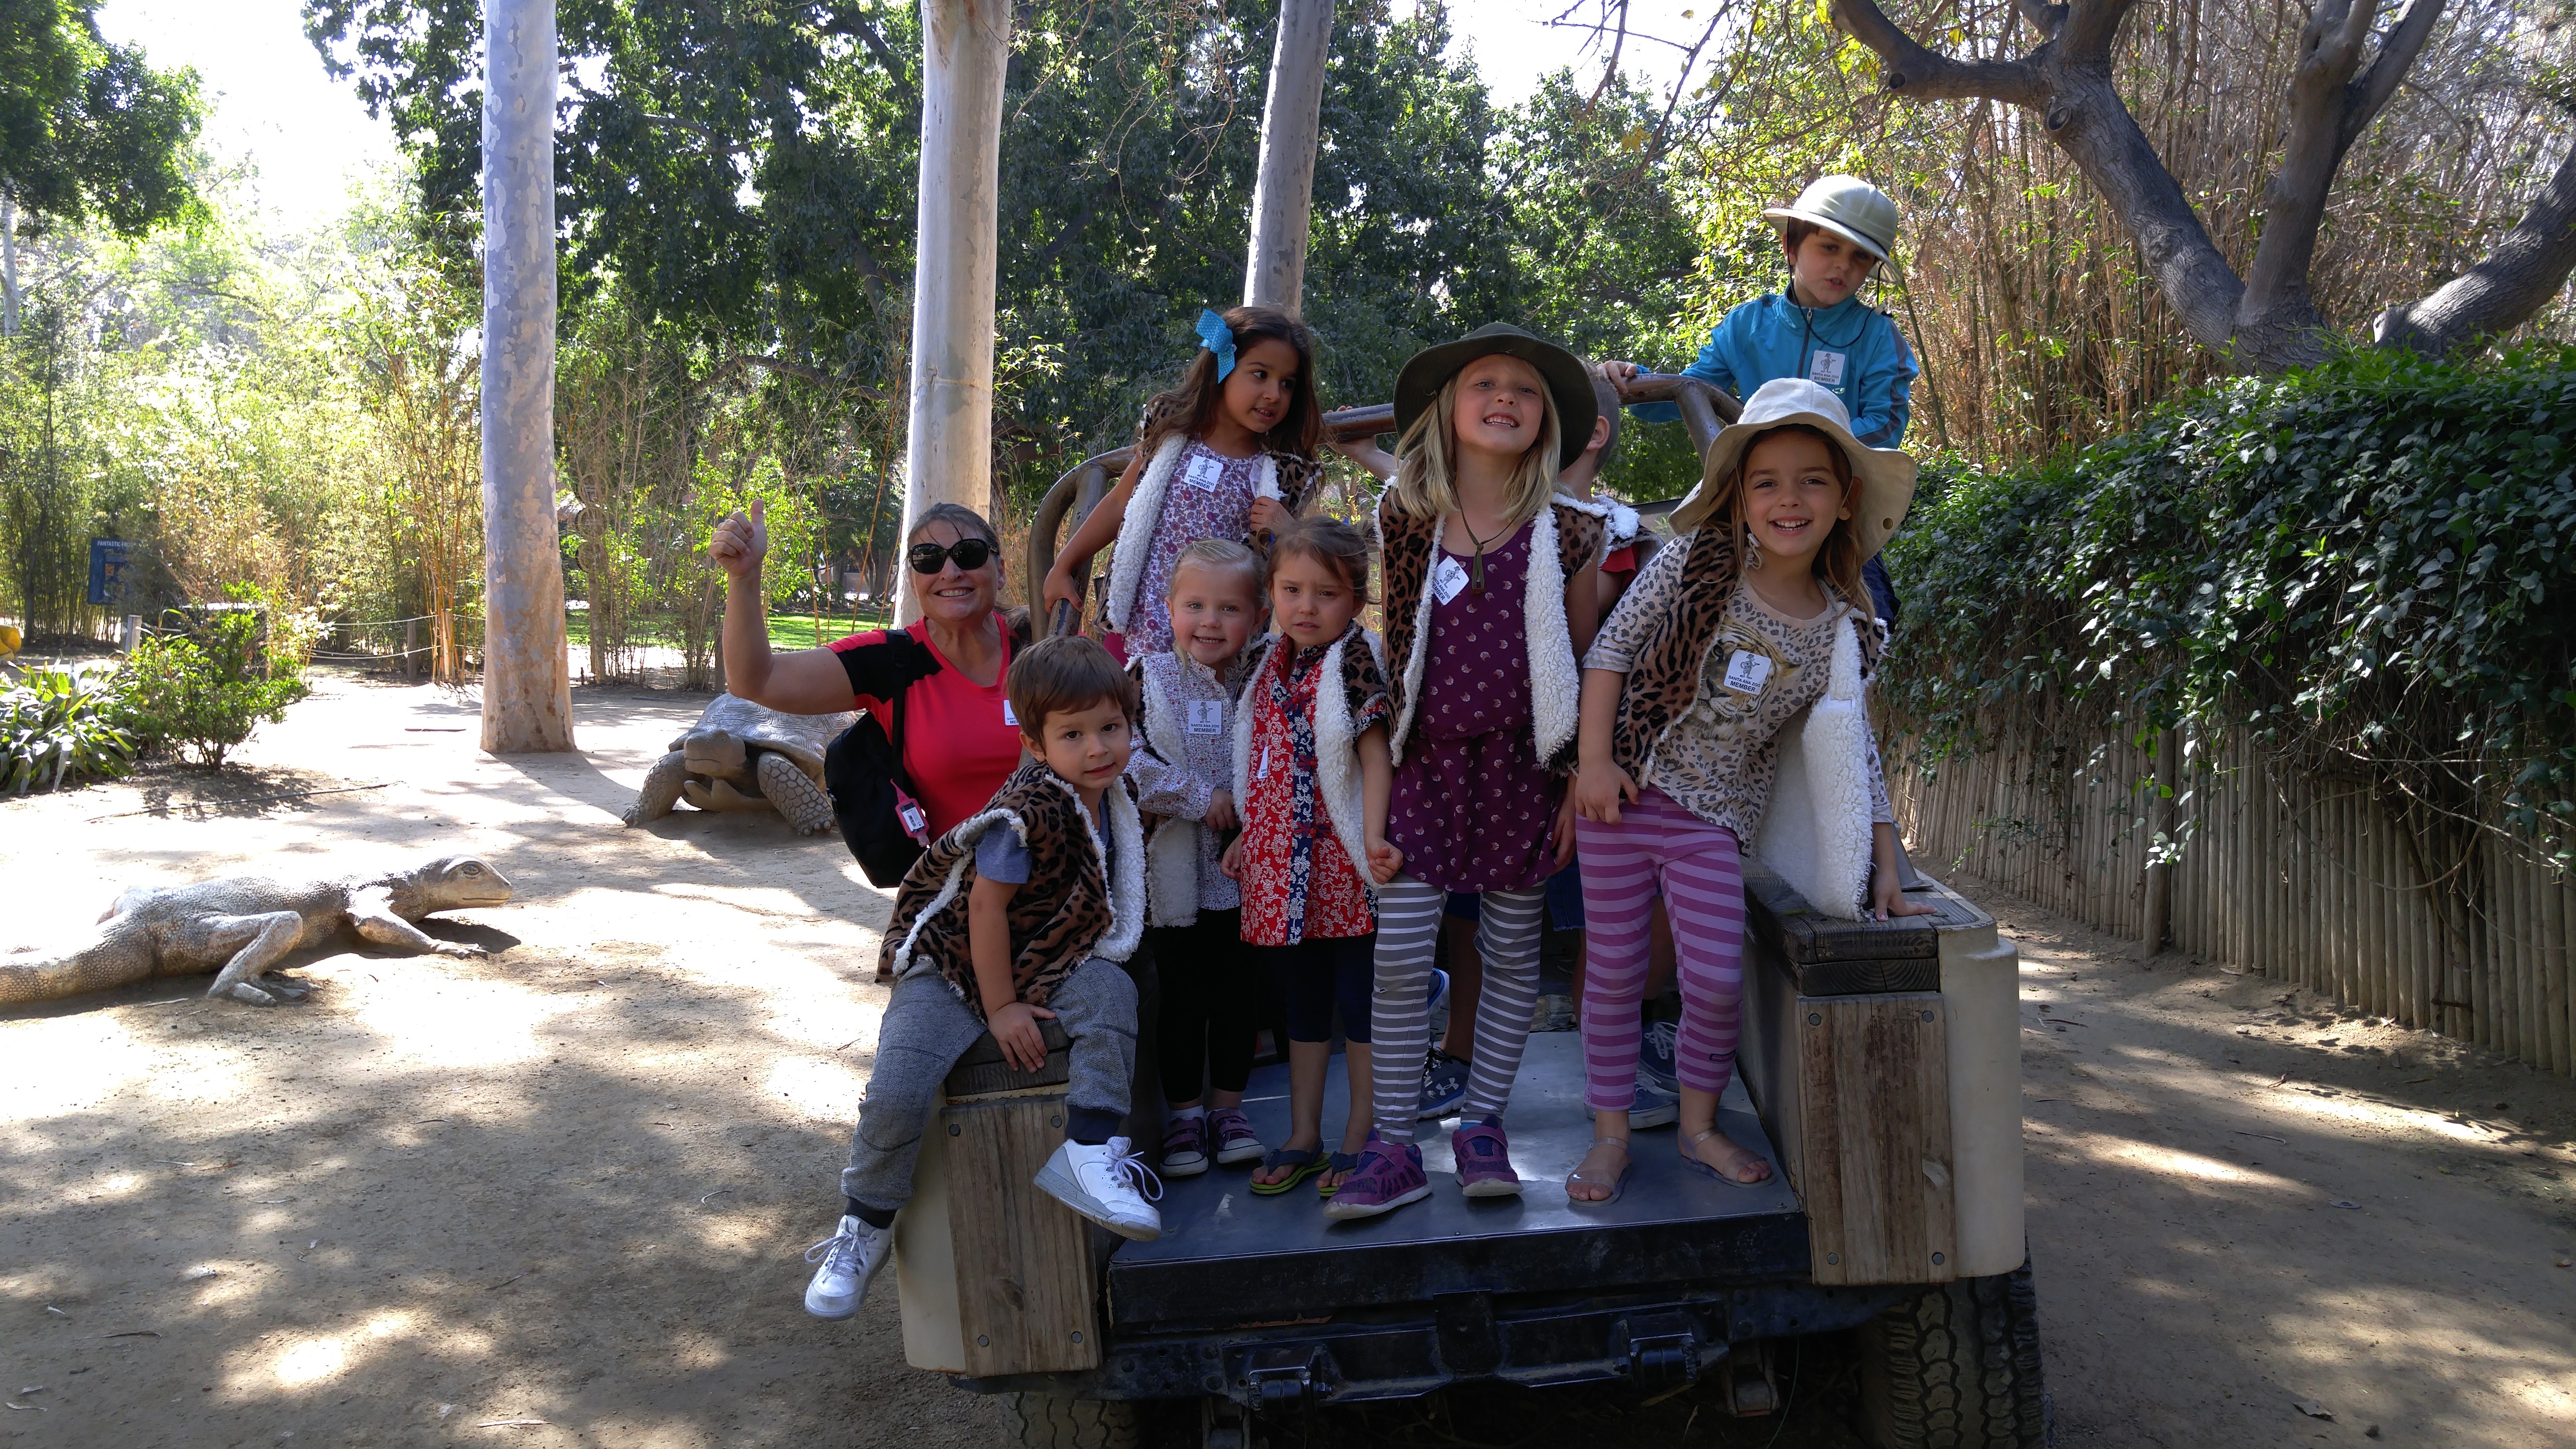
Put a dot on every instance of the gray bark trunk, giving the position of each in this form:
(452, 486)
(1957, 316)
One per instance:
(2504, 289)
(8, 262)
(949, 453)
(1283, 195)
(527, 689)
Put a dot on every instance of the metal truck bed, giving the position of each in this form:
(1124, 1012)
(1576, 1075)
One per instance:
(1283, 1260)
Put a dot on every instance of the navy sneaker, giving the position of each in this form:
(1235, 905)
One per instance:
(1653, 1106)
(1444, 1084)
(1437, 1009)
(1655, 1058)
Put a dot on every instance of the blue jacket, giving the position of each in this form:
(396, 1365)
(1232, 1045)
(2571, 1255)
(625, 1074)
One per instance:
(1848, 347)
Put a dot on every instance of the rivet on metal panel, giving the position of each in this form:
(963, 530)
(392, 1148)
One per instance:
(1055, 1121)
(1834, 1258)
(1939, 1258)
(954, 1129)
(1927, 1016)
(983, 1341)
(1077, 1335)
(1815, 1018)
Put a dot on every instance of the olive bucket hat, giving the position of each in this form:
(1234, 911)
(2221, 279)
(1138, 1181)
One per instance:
(1849, 208)
(1576, 408)
(1885, 476)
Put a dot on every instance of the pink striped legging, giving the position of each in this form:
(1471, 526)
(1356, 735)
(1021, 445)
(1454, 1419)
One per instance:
(1658, 848)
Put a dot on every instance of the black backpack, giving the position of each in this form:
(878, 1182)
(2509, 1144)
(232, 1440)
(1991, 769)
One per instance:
(870, 792)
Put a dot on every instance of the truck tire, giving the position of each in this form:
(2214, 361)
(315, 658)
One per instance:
(1956, 1366)
(1053, 1421)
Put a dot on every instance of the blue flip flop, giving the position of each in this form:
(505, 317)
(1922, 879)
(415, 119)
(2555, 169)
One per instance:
(1338, 1162)
(1304, 1162)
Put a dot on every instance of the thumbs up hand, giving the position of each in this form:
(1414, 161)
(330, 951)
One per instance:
(740, 543)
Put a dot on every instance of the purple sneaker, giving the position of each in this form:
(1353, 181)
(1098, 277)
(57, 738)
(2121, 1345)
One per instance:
(1185, 1147)
(1484, 1160)
(1234, 1138)
(1389, 1176)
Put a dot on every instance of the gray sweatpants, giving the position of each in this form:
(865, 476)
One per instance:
(926, 1029)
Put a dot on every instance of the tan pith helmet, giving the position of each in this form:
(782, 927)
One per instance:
(1885, 475)
(1850, 208)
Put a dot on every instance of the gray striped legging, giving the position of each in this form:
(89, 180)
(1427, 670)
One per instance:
(1408, 928)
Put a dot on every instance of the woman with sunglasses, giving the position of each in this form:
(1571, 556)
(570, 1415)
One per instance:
(959, 740)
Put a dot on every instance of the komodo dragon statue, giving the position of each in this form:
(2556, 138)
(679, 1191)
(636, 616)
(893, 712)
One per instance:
(240, 926)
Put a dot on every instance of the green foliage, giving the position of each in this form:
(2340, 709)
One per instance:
(62, 727)
(200, 695)
(2367, 566)
(88, 128)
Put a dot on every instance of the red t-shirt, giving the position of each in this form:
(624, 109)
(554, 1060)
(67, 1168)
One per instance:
(959, 742)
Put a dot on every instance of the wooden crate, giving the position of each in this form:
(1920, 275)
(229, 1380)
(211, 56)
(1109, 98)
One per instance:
(1854, 1079)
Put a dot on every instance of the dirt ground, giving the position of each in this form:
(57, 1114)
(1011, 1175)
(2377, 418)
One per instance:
(559, 1196)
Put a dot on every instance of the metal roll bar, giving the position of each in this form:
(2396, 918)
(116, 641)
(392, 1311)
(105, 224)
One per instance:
(1705, 410)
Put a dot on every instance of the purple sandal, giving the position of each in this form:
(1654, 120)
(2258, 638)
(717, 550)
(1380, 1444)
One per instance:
(1389, 1176)
(1484, 1160)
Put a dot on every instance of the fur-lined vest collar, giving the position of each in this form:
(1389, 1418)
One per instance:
(1070, 909)
(1337, 713)
(1570, 532)
(1664, 675)
(1283, 476)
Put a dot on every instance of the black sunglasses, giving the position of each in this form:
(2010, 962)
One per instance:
(929, 558)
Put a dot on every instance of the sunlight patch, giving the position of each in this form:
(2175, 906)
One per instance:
(63, 1064)
(430, 1018)
(318, 1359)
(815, 1088)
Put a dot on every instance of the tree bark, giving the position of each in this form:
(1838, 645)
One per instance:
(949, 454)
(527, 689)
(2505, 288)
(1283, 195)
(8, 261)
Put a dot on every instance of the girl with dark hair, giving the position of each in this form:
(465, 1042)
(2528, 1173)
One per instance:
(1229, 454)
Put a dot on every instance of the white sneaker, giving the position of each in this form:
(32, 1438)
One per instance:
(850, 1258)
(1107, 1184)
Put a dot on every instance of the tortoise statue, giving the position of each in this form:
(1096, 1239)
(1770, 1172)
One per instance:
(740, 756)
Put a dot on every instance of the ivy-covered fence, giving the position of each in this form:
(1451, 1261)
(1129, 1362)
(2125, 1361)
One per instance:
(2285, 674)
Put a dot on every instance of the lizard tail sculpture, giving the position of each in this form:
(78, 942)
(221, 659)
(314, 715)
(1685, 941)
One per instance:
(240, 926)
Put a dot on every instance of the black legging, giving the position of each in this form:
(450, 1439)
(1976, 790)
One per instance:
(1211, 1005)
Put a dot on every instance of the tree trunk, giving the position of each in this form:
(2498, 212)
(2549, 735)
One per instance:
(527, 691)
(1283, 195)
(8, 261)
(949, 455)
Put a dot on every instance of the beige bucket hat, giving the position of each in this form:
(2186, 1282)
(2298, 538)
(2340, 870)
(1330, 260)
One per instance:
(1850, 208)
(1885, 475)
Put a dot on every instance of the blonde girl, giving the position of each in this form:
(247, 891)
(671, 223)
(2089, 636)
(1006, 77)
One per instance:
(1489, 595)
(1229, 454)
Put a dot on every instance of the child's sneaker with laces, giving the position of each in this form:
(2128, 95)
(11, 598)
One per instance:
(1233, 1138)
(848, 1259)
(1389, 1176)
(1185, 1147)
(1653, 1106)
(1444, 1084)
(1484, 1160)
(1107, 1184)
(1655, 1057)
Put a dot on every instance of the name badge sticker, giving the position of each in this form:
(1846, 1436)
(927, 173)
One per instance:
(1207, 717)
(1826, 369)
(1747, 672)
(1204, 473)
(1448, 579)
(1009, 718)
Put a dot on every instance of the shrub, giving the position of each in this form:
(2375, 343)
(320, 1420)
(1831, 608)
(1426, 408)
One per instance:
(2367, 566)
(200, 696)
(61, 727)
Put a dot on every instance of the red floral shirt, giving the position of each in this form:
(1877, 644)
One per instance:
(1298, 881)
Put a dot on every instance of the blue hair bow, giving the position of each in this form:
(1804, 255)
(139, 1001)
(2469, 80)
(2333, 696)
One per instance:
(1218, 338)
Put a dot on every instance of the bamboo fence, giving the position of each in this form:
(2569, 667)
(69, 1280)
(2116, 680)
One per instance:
(2299, 878)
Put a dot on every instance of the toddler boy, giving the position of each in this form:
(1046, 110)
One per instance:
(1023, 913)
